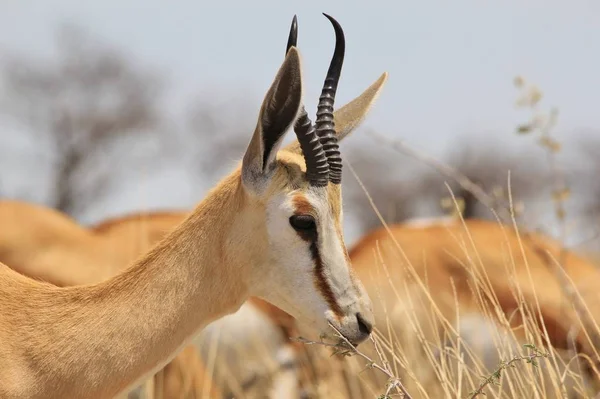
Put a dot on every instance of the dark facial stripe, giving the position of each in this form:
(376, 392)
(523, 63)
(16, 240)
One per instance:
(304, 207)
(321, 281)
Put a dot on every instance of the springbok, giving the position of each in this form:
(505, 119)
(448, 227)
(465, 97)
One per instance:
(270, 229)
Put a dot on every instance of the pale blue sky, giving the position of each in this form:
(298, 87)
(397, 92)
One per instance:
(451, 64)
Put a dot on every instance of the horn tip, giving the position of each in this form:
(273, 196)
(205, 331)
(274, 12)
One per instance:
(329, 17)
(293, 35)
(339, 32)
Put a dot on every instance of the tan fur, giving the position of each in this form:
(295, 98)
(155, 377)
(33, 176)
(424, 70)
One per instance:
(302, 205)
(97, 340)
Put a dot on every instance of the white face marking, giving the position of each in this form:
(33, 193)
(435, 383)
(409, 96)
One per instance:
(317, 290)
(291, 266)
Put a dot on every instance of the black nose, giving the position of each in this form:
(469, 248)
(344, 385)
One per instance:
(364, 326)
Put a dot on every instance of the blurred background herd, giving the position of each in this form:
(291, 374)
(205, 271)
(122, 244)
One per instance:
(113, 107)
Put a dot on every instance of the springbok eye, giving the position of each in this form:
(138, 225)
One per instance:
(303, 222)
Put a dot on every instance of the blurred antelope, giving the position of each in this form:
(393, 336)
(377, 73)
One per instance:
(483, 267)
(271, 229)
(450, 255)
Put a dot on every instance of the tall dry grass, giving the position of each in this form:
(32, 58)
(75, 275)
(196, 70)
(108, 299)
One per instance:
(433, 357)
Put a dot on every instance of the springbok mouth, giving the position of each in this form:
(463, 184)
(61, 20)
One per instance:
(350, 338)
(353, 342)
(365, 329)
(359, 341)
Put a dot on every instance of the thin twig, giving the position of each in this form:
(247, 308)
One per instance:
(494, 378)
(345, 348)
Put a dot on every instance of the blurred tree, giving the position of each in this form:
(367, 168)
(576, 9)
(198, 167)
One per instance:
(80, 102)
(390, 179)
(403, 188)
(219, 132)
(488, 165)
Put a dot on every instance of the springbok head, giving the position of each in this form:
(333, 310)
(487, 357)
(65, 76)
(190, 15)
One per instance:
(303, 266)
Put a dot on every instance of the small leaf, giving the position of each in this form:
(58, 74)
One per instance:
(550, 144)
(519, 207)
(535, 95)
(498, 191)
(553, 115)
(561, 195)
(446, 202)
(519, 81)
(524, 129)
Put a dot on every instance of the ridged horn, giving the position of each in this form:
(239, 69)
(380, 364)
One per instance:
(317, 167)
(325, 126)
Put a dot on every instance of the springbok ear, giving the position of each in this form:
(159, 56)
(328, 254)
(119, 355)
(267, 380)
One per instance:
(278, 112)
(348, 117)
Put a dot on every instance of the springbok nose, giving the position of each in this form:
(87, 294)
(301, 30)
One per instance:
(364, 326)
